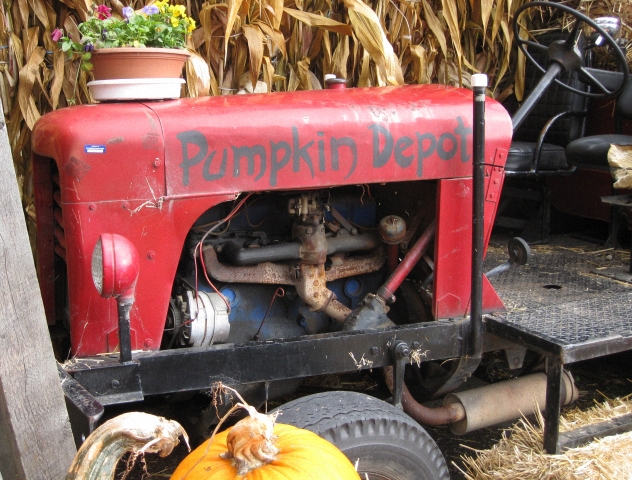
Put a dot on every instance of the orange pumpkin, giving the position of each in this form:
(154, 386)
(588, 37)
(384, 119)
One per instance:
(253, 450)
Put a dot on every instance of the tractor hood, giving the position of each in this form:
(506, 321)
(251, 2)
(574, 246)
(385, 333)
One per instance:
(260, 142)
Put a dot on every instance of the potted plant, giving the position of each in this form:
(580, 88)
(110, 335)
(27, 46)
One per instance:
(145, 44)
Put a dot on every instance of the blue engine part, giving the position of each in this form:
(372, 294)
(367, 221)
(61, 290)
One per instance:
(288, 316)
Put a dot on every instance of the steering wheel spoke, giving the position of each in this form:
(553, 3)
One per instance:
(567, 53)
(573, 37)
(594, 81)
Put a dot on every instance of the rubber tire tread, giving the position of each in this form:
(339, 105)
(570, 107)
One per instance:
(347, 419)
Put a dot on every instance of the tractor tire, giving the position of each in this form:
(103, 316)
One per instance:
(382, 441)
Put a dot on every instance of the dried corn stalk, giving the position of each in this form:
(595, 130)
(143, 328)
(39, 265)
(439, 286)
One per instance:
(285, 45)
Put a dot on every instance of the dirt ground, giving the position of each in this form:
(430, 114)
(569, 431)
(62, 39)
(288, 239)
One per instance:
(608, 377)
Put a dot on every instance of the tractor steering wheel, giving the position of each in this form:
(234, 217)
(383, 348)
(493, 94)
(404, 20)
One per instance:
(567, 53)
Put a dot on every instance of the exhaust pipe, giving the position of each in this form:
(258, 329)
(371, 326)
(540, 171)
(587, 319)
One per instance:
(505, 401)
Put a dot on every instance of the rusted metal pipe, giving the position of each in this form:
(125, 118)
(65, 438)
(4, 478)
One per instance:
(444, 415)
(311, 286)
(283, 273)
(505, 401)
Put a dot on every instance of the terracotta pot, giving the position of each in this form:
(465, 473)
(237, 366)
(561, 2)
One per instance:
(126, 63)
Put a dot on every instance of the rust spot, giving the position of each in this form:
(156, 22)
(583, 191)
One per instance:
(76, 168)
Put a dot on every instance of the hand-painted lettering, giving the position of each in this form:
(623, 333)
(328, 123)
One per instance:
(197, 139)
(348, 142)
(206, 171)
(301, 152)
(462, 131)
(401, 145)
(442, 150)
(249, 154)
(381, 156)
(330, 153)
(321, 152)
(423, 153)
(275, 163)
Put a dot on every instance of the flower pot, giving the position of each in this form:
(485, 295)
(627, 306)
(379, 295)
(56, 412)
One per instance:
(133, 63)
(135, 89)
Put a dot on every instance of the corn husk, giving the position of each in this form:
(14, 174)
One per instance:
(287, 45)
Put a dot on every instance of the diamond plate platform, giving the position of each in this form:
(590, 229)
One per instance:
(557, 305)
(574, 331)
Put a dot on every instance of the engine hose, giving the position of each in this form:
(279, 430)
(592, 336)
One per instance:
(426, 416)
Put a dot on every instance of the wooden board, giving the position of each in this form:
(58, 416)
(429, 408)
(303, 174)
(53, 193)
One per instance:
(35, 437)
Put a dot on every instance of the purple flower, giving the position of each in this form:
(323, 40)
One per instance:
(88, 47)
(150, 10)
(128, 12)
(56, 35)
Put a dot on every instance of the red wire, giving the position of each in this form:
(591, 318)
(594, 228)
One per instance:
(199, 246)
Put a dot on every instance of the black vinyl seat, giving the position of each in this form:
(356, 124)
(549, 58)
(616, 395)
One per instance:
(592, 151)
(589, 155)
(522, 158)
(538, 150)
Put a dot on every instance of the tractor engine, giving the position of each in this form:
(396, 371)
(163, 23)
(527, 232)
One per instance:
(285, 265)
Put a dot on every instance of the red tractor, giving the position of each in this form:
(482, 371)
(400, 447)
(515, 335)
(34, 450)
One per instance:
(261, 239)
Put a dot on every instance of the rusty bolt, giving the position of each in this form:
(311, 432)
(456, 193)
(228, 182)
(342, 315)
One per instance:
(402, 350)
(151, 255)
(157, 163)
(92, 207)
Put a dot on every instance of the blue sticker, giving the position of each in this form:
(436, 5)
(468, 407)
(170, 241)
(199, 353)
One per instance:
(94, 148)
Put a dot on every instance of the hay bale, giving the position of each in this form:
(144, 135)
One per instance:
(520, 453)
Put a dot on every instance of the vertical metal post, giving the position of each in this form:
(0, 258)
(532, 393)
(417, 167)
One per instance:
(125, 341)
(554, 372)
(479, 83)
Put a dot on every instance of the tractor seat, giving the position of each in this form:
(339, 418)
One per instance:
(592, 151)
(521, 155)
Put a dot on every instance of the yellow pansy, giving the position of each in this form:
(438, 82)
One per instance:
(161, 4)
(178, 10)
(175, 22)
(191, 26)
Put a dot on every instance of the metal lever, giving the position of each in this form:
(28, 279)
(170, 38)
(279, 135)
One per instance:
(401, 355)
(519, 254)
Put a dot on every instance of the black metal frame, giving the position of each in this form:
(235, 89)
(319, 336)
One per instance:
(162, 372)
(557, 355)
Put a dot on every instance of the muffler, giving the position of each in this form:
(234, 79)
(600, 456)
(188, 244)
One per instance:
(505, 401)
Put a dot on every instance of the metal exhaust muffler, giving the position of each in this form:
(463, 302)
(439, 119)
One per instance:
(505, 401)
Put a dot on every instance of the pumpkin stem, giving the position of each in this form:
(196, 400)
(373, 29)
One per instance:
(251, 442)
(133, 431)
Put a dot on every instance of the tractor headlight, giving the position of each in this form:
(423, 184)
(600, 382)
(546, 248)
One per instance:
(115, 266)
